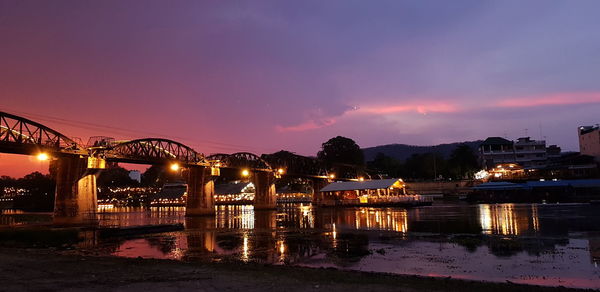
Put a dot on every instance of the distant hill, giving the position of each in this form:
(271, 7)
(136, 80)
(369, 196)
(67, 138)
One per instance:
(403, 151)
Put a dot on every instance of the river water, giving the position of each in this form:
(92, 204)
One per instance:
(553, 244)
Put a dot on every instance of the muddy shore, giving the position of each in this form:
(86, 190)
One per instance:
(51, 270)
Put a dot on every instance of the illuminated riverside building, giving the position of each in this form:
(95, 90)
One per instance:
(235, 193)
(172, 194)
(368, 192)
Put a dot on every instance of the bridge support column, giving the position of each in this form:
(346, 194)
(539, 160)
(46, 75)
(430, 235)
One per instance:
(201, 191)
(265, 195)
(75, 200)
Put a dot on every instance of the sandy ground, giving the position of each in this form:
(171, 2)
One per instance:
(49, 270)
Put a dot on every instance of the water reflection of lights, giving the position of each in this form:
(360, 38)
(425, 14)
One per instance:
(534, 215)
(246, 248)
(281, 249)
(235, 217)
(334, 236)
(308, 219)
(386, 219)
(485, 217)
(305, 210)
(333, 231)
(132, 216)
(505, 219)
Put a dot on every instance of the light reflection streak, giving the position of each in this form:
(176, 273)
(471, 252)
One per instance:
(246, 248)
(535, 217)
(378, 219)
(308, 218)
(334, 236)
(235, 217)
(505, 219)
(281, 247)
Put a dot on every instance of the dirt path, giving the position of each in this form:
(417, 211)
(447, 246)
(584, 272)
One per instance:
(46, 270)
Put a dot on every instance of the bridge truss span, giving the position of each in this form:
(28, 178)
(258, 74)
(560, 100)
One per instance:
(152, 150)
(20, 135)
(240, 160)
(296, 165)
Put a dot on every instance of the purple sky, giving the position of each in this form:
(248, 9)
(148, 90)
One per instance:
(225, 76)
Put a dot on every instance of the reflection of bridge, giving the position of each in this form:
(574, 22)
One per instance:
(77, 167)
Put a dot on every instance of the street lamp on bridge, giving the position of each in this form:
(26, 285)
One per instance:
(245, 173)
(174, 166)
(43, 156)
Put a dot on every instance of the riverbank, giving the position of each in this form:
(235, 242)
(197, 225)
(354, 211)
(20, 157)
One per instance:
(52, 270)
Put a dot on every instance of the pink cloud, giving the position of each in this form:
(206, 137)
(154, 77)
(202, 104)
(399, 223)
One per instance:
(422, 108)
(552, 99)
(322, 122)
(309, 125)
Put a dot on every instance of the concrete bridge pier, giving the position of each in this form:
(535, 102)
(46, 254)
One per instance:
(201, 191)
(265, 195)
(75, 200)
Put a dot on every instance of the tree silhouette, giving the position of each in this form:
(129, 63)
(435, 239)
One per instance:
(341, 150)
(342, 156)
(463, 162)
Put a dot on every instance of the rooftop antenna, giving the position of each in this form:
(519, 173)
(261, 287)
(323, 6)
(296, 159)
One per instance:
(526, 132)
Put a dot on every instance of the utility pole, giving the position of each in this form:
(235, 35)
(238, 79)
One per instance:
(434, 168)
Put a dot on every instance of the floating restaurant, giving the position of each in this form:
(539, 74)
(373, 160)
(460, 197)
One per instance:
(383, 192)
(550, 191)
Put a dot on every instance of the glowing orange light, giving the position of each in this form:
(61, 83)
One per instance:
(280, 171)
(332, 176)
(43, 157)
(245, 172)
(361, 179)
(174, 166)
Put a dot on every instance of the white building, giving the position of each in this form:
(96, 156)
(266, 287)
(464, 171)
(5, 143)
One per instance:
(589, 141)
(526, 152)
(496, 150)
(530, 153)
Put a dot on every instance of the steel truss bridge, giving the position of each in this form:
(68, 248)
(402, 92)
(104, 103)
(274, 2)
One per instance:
(77, 167)
(19, 135)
